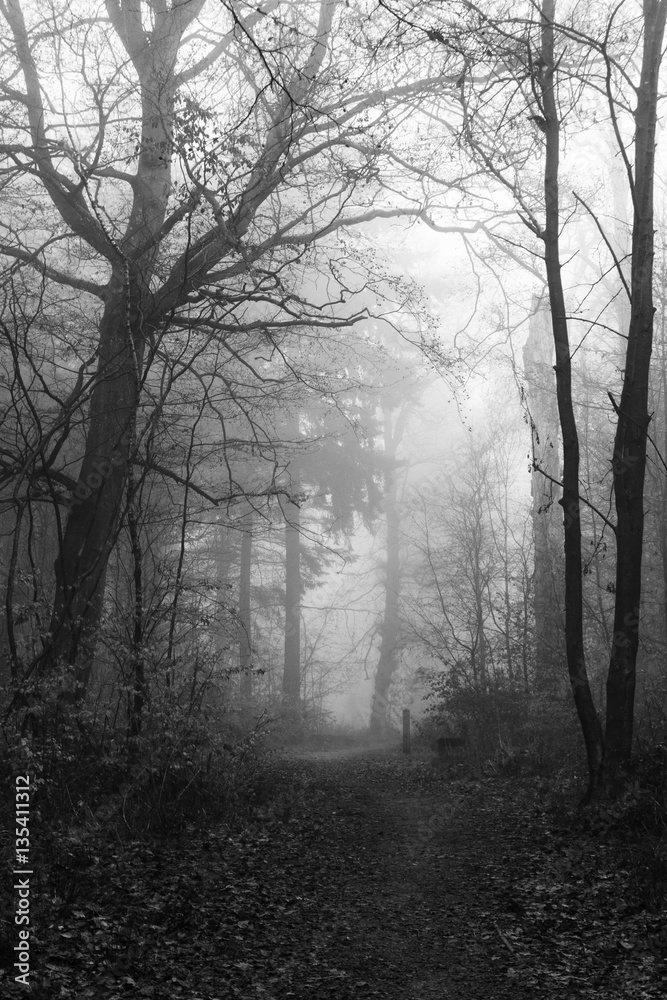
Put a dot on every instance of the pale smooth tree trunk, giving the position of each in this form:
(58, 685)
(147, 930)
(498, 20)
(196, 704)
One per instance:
(547, 595)
(388, 659)
(292, 662)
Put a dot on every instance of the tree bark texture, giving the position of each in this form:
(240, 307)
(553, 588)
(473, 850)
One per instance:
(547, 594)
(97, 503)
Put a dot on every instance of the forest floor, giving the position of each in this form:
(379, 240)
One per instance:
(367, 874)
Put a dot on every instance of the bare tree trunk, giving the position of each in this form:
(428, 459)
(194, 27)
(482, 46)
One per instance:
(574, 638)
(388, 654)
(662, 520)
(292, 667)
(96, 508)
(388, 659)
(173, 638)
(538, 366)
(138, 694)
(164, 225)
(629, 461)
(245, 614)
(8, 603)
(97, 503)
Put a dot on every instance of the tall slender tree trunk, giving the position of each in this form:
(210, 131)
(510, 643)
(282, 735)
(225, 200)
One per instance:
(292, 666)
(245, 613)
(139, 689)
(629, 461)
(662, 520)
(388, 659)
(538, 366)
(479, 645)
(574, 637)
(9, 553)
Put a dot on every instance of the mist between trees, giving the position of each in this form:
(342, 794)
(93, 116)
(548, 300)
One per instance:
(333, 374)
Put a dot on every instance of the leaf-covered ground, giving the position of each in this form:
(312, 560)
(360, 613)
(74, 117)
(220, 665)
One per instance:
(364, 874)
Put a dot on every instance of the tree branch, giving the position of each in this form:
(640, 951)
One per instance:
(32, 258)
(70, 204)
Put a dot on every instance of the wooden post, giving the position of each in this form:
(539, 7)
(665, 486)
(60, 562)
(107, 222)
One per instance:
(406, 730)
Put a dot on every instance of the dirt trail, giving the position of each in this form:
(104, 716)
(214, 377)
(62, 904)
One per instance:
(403, 906)
(420, 884)
(363, 874)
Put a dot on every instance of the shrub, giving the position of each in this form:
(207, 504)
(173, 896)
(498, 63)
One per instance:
(507, 728)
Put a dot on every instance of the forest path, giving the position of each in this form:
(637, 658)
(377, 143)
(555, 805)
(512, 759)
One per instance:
(410, 907)
(402, 881)
(364, 873)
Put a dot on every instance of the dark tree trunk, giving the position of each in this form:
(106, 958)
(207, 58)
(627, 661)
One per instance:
(138, 694)
(152, 47)
(479, 645)
(9, 551)
(574, 637)
(97, 502)
(629, 461)
(245, 614)
(662, 520)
